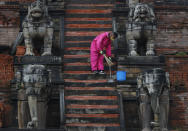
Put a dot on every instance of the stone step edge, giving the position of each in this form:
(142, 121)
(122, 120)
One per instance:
(78, 106)
(93, 125)
(93, 115)
(75, 97)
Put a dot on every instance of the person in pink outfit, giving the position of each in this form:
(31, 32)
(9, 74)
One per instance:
(101, 42)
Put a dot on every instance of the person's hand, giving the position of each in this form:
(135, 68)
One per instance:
(101, 52)
(110, 58)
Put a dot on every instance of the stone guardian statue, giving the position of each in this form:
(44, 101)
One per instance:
(153, 86)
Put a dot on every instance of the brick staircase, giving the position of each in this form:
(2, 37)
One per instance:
(91, 101)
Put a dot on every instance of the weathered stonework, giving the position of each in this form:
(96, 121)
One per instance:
(153, 87)
(32, 83)
(38, 25)
(141, 29)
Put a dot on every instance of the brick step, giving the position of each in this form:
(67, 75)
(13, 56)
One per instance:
(79, 48)
(100, 15)
(89, 1)
(92, 111)
(73, 51)
(78, 106)
(90, 6)
(86, 72)
(76, 97)
(88, 11)
(85, 81)
(82, 84)
(76, 52)
(91, 92)
(67, 59)
(78, 44)
(92, 102)
(79, 56)
(86, 76)
(93, 127)
(90, 88)
(80, 38)
(92, 115)
(85, 68)
(79, 26)
(89, 29)
(80, 64)
(91, 120)
(86, 33)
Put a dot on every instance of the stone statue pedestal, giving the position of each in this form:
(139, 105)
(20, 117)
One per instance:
(36, 78)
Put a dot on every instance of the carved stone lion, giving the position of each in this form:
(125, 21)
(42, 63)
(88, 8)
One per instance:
(140, 30)
(38, 26)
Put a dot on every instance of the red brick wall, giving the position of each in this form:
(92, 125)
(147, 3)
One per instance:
(9, 28)
(177, 66)
(6, 69)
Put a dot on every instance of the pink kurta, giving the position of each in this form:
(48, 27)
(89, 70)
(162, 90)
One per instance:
(99, 43)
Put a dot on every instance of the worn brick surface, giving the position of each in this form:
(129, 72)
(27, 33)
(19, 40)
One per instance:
(172, 29)
(177, 66)
(6, 69)
(171, 39)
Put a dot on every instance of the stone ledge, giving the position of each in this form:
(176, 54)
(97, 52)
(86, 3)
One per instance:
(46, 60)
(141, 60)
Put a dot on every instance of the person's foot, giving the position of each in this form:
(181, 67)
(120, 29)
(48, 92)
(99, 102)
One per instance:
(101, 72)
(95, 72)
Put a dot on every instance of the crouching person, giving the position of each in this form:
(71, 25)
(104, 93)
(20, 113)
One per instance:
(101, 42)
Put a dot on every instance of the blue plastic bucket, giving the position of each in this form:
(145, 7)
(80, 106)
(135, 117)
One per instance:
(121, 75)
